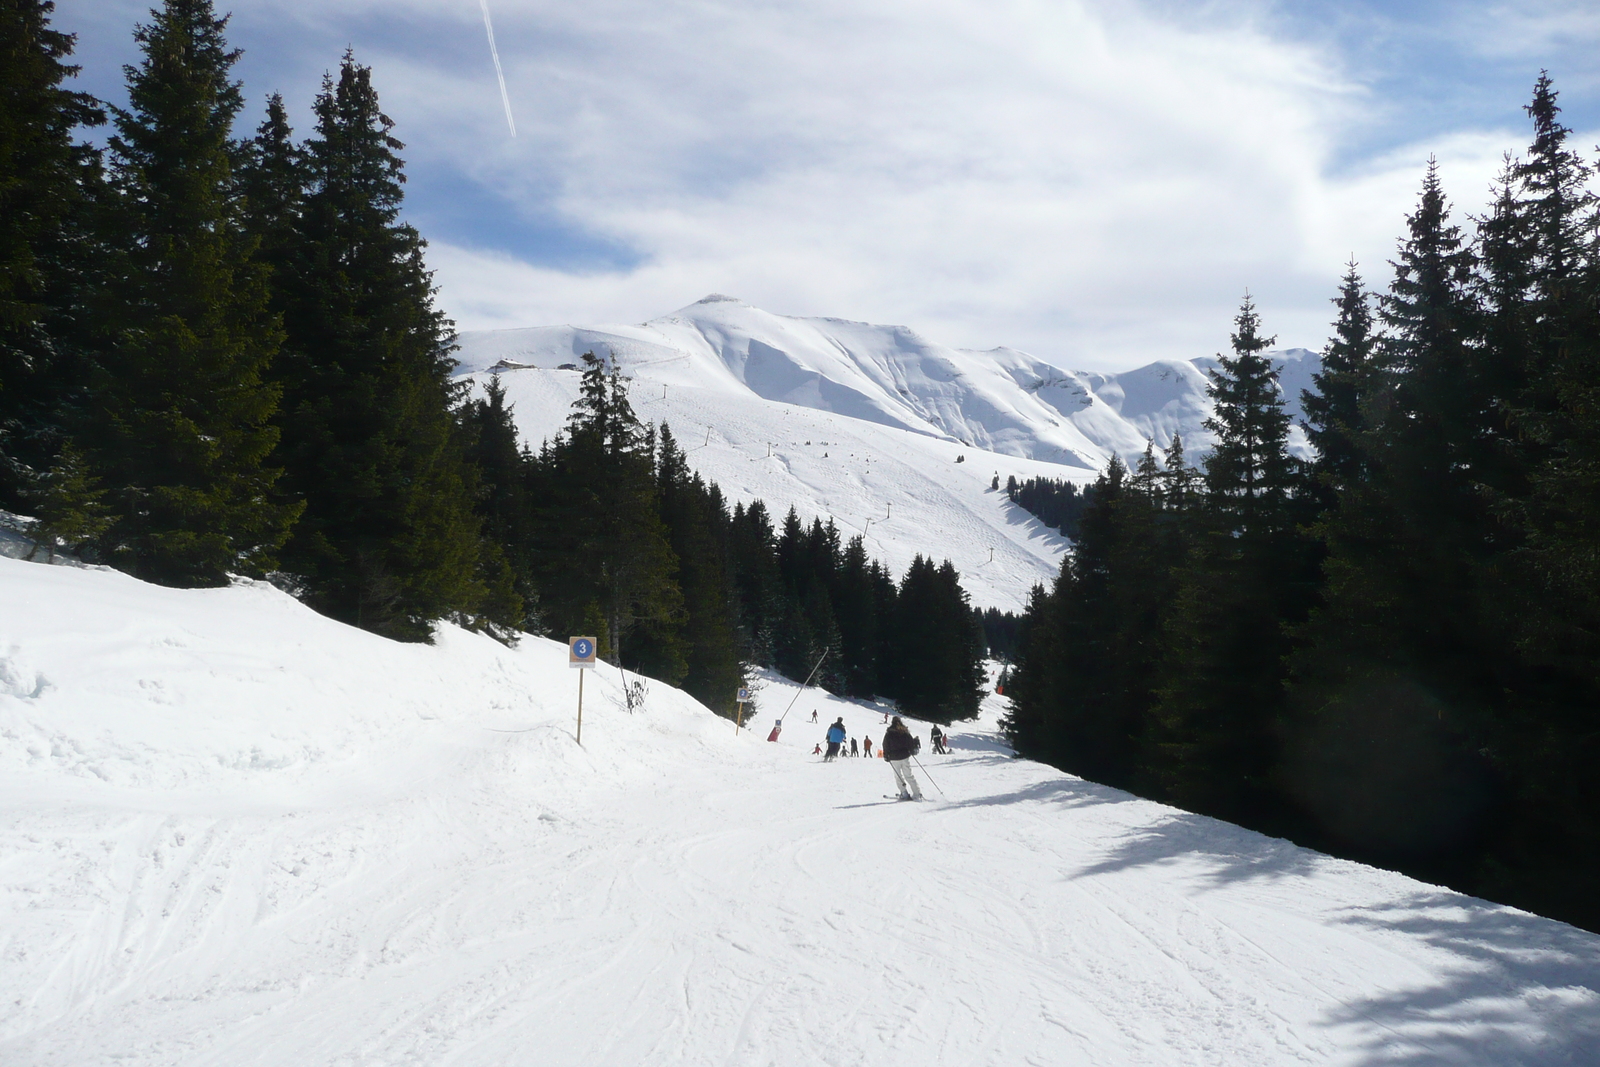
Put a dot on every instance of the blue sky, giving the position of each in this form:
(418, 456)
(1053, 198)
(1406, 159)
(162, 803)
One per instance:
(1094, 182)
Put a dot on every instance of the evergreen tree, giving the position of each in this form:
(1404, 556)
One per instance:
(1249, 475)
(390, 540)
(1249, 574)
(68, 506)
(183, 432)
(697, 530)
(1055, 502)
(1180, 482)
(45, 183)
(1000, 633)
(752, 548)
(504, 505)
(600, 542)
(1335, 411)
(1122, 577)
(805, 624)
(1559, 416)
(1539, 285)
(272, 179)
(1027, 726)
(1387, 687)
(859, 624)
(936, 649)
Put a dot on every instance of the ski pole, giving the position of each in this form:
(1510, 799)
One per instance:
(924, 770)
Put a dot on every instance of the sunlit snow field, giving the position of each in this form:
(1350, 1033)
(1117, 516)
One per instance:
(234, 832)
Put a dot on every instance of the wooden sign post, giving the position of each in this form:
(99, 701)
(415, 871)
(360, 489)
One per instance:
(582, 653)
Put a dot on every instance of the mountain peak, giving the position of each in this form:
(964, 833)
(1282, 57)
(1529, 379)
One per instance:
(719, 298)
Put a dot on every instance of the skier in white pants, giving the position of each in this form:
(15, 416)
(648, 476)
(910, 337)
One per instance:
(898, 747)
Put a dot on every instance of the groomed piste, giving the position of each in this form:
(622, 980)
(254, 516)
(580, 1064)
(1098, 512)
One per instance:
(235, 832)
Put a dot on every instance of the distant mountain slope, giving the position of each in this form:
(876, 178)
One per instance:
(1001, 400)
(891, 435)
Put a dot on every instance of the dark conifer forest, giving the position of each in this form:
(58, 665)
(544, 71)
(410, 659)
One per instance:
(221, 355)
(1056, 502)
(1391, 652)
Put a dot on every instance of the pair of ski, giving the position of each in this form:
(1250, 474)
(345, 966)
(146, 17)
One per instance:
(892, 796)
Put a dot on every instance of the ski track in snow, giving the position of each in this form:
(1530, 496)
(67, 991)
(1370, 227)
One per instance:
(232, 832)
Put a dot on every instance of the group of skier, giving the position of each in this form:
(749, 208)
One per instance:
(898, 748)
(836, 743)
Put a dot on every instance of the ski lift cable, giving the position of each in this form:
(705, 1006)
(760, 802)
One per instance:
(802, 688)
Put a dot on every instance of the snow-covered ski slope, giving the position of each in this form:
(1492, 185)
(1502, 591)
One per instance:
(233, 832)
(866, 423)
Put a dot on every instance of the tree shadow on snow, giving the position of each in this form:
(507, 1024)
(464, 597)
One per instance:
(1525, 990)
(1232, 853)
(988, 744)
(1067, 792)
(1017, 515)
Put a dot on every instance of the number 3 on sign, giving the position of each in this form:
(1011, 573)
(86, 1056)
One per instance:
(581, 651)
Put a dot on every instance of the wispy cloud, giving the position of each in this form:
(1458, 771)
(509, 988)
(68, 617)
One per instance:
(1095, 182)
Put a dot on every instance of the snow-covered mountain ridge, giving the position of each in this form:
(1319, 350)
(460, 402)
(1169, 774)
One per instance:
(888, 434)
(1000, 400)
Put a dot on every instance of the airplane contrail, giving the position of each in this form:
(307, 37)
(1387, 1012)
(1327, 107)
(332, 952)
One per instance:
(505, 98)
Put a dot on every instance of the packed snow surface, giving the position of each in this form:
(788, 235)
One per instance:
(234, 832)
(892, 435)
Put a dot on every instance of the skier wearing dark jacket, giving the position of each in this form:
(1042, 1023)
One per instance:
(898, 746)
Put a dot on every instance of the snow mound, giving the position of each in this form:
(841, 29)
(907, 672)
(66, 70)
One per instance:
(232, 831)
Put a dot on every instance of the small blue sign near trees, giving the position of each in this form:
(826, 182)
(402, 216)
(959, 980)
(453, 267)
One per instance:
(582, 651)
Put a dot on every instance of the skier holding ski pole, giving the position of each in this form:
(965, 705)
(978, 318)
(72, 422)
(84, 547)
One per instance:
(898, 747)
(924, 770)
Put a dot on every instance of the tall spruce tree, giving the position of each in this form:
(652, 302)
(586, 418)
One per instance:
(1249, 476)
(1180, 482)
(1336, 408)
(1025, 723)
(183, 428)
(696, 529)
(860, 625)
(272, 180)
(389, 540)
(937, 646)
(806, 627)
(602, 551)
(1559, 416)
(752, 547)
(1539, 284)
(505, 504)
(1387, 712)
(46, 180)
(1250, 572)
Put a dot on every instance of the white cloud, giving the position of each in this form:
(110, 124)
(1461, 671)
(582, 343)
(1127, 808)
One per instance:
(1092, 181)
